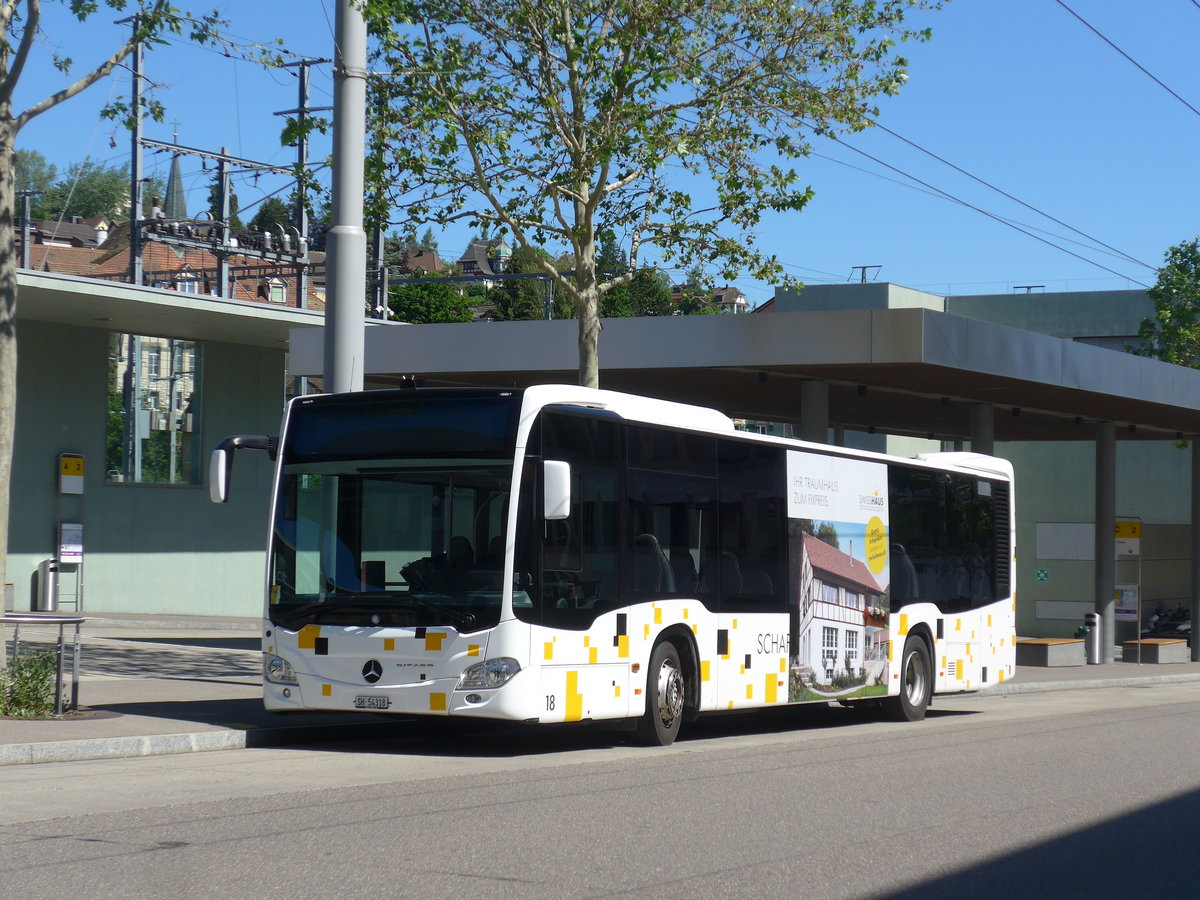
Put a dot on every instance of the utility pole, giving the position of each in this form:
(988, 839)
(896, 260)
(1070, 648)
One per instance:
(379, 284)
(347, 242)
(135, 163)
(863, 270)
(300, 211)
(224, 189)
(26, 229)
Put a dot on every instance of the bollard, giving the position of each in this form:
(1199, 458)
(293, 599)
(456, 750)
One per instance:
(1092, 625)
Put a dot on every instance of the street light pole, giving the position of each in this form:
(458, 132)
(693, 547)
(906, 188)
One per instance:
(347, 241)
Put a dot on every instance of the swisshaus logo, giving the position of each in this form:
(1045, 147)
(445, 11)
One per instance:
(874, 501)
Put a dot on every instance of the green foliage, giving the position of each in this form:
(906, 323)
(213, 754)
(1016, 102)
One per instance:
(115, 417)
(697, 300)
(827, 532)
(1173, 335)
(523, 299)
(88, 190)
(27, 685)
(214, 204)
(397, 245)
(611, 258)
(421, 304)
(155, 186)
(648, 294)
(559, 121)
(823, 531)
(156, 458)
(31, 172)
(271, 212)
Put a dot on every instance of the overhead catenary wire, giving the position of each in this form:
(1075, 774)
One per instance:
(993, 216)
(1011, 197)
(997, 218)
(942, 195)
(1090, 27)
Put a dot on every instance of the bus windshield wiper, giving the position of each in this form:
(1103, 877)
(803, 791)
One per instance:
(374, 602)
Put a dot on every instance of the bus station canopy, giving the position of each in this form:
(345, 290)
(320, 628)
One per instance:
(910, 371)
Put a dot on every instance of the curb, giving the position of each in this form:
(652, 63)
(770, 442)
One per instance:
(131, 747)
(1037, 687)
(119, 747)
(150, 623)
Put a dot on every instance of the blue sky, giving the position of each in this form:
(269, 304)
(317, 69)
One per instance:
(1020, 94)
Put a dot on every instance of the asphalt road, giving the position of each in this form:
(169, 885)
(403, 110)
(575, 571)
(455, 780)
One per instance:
(1064, 794)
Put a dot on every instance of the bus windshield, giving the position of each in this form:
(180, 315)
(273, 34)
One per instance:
(392, 512)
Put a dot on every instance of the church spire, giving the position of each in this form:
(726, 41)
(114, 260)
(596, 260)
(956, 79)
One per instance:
(175, 207)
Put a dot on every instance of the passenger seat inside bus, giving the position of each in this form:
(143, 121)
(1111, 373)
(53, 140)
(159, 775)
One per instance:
(683, 567)
(651, 571)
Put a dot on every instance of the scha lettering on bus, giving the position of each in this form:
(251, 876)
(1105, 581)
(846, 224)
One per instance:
(773, 643)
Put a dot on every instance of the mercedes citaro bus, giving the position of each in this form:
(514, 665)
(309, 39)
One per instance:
(563, 554)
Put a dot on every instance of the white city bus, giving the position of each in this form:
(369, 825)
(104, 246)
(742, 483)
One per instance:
(562, 554)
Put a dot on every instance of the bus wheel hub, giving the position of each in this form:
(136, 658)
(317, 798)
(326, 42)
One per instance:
(670, 693)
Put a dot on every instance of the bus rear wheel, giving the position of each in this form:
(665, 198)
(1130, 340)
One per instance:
(916, 683)
(665, 694)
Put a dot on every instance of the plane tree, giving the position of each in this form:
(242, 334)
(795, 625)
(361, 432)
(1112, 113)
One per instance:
(674, 124)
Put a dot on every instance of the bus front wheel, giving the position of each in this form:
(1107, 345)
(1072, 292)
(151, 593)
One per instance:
(665, 693)
(916, 682)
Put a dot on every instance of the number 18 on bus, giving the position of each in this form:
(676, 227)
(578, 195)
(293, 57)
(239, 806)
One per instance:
(563, 554)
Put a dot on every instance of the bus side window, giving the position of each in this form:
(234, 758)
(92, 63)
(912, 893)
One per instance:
(944, 539)
(671, 532)
(752, 572)
(580, 553)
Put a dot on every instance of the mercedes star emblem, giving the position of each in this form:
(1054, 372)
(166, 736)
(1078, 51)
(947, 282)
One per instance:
(372, 671)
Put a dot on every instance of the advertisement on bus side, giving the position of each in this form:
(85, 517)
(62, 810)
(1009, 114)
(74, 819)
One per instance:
(840, 563)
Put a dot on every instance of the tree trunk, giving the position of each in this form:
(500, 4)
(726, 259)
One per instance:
(8, 339)
(588, 311)
(587, 308)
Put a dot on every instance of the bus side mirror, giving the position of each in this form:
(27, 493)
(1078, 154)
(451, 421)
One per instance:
(556, 488)
(220, 464)
(220, 467)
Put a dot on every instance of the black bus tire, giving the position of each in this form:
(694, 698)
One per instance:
(666, 692)
(916, 682)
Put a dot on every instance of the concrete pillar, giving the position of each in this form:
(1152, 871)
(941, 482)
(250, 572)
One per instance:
(814, 411)
(983, 428)
(1195, 542)
(1106, 534)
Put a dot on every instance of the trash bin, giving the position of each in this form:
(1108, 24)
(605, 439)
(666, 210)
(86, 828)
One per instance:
(47, 595)
(1093, 637)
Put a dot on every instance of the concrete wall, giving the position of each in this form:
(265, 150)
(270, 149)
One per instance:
(1083, 314)
(159, 549)
(876, 295)
(1056, 484)
(1056, 481)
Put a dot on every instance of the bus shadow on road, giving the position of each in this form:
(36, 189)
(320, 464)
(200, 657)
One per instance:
(488, 739)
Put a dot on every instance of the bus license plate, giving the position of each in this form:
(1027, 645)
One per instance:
(373, 702)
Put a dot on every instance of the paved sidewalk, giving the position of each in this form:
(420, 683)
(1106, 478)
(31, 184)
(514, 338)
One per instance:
(161, 684)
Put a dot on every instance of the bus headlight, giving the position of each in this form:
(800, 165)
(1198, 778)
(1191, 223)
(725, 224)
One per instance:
(491, 673)
(277, 670)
